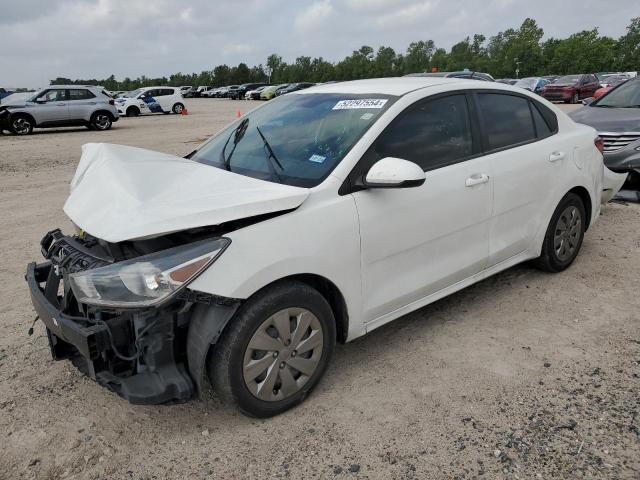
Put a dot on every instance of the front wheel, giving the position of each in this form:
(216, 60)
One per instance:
(133, 112)
(177, 108)
(564, 235)
(21, 125)
(275, 350)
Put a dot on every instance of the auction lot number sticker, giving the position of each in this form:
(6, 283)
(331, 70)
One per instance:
(360, 103)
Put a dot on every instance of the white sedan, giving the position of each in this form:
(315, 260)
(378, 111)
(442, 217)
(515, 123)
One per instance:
(312, 220)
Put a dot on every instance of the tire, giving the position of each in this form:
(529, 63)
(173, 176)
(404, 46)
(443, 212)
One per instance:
(21, 124)
(133, 112)
(561, 247)
(101, 121)
(177, 108)
(575, 98)
(254, 325)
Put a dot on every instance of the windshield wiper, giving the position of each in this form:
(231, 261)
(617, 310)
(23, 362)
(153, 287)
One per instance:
(238, 134)
(271, 157)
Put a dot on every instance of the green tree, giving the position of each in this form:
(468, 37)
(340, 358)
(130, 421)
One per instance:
(628, 47)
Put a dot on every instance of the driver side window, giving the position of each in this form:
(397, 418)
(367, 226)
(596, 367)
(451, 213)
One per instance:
(57, 95)
(433, 133)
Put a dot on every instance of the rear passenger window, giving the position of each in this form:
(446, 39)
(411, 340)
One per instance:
(432, 134)
(166, 91)
(542, 128)
(80, 94)
(507, 119)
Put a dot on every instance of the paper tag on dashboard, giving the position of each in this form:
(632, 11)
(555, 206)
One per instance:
(360, 103)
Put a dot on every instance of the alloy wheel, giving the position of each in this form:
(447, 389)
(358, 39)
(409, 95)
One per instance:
(567, 233)
(21, 126)
(102, 121)
(283, 354)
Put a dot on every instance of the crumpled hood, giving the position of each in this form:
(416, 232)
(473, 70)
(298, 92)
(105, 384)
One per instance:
(124, 193)
(608, 119)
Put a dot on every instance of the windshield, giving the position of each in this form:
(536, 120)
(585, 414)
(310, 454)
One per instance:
(296, 139)
(35, 96)
(526, 82)
(568, 79)
(133, 93)
(626, 95)
(614, 80)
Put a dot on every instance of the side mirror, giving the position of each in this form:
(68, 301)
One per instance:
(588, 101)
(393, 172)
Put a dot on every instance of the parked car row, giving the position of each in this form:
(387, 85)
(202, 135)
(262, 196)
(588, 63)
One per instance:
(254, 91)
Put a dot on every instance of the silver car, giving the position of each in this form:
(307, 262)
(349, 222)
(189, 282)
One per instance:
(60, 106)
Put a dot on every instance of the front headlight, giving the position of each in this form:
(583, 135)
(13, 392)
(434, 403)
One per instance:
(148, 280)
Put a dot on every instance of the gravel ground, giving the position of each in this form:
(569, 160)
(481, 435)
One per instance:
(524, 375)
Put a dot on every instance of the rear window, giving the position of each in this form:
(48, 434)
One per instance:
(507, 120)
(542, 127)
(80, 94)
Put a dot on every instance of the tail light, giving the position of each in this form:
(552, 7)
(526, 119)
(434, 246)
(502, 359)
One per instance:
(112, 102)
(599, 144)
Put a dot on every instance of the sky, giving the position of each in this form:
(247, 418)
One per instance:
(43, 39)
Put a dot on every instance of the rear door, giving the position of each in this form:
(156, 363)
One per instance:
(526, 155)
(81, 104)
(166, 98)
(417, 241)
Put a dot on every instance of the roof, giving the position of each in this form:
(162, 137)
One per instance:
(71, 86)
(386, 86)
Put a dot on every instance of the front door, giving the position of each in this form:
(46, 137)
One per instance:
(417, 241)
(52, 107)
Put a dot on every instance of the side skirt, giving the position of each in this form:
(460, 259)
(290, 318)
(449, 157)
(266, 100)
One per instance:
(505, 264)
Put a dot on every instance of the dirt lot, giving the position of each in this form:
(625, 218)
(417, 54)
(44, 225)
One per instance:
(524, 375)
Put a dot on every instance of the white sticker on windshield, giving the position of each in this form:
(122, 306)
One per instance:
(360, 103)
(317, 158)
(367, 116)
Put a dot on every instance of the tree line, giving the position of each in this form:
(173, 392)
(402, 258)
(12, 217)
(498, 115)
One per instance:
(515, 52)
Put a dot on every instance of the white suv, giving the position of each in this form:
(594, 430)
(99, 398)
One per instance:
(151, 100)
(312, 220)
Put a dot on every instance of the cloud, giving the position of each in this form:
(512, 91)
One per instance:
(315, 16)
(44, 39)
(409, 15)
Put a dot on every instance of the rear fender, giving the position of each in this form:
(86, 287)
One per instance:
(611, 183)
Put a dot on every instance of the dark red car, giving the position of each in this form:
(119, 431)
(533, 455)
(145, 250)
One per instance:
(571, 88)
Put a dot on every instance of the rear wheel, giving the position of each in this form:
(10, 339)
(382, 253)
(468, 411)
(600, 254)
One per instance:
(21, 124)
(564, 235)
(177, 108)
(101, 121)
(275, 350)
(133, 112)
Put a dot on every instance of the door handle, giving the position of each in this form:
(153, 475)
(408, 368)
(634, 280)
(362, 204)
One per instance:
(476, 179)
(555, 156)
(61, 104)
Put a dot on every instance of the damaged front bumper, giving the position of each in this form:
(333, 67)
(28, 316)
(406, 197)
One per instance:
(140, 354)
